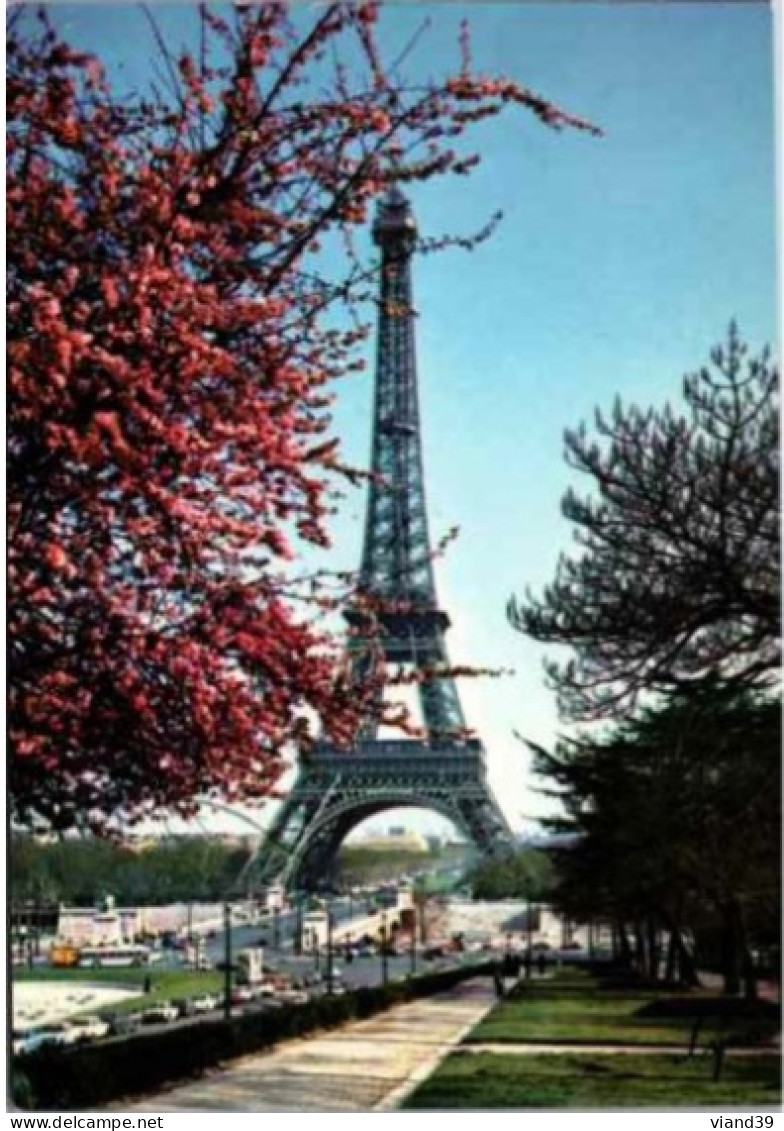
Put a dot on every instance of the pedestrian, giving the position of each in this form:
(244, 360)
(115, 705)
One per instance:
(541, 962)
(498, 982)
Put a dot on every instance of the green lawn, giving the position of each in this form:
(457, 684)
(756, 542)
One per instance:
(579, 1011)
(604, 1019)
(482, 1081)
(166, 984)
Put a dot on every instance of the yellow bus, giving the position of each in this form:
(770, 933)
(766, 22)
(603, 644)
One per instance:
(64, 954)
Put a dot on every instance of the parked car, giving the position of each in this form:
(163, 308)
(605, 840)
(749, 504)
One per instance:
(294, 997)
(265, 989)
(204, 1003)
(89, 1028)
(59, 1033)
(240, 995)
(122, 1024)
(25, 1041)
(161, 1011)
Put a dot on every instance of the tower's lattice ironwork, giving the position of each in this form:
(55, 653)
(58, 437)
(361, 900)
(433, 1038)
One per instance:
(444, 770)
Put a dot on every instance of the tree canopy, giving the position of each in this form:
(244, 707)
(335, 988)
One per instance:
(678, 820)
(173, 338)
(526, 873)
(676, 570)
(82, 871)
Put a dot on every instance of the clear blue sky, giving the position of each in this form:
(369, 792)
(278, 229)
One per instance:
(619, 264)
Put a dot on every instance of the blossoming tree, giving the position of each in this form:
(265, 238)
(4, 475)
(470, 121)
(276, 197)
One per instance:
(173, 340)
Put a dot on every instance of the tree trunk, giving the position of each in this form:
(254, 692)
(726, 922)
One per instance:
(652, 948)
(687, 969)
(680, 962)
(730, 951)
(671, 964)
(624, 946)
(639, 948)
(748, 973)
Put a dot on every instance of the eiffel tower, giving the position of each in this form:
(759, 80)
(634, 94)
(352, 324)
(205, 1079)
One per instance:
(444, 770)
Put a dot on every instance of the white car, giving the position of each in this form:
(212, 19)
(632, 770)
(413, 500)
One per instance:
(264, 989)
(205, 1003)
(294, 997)
(161, 1011)
(89, 1028)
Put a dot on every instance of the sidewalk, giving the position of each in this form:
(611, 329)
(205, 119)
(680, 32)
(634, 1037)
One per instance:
(363, 1066)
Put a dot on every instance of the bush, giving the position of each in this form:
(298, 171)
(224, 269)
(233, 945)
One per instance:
(722, 1007)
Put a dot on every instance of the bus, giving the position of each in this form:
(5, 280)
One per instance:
(125, 954)
(64, 955)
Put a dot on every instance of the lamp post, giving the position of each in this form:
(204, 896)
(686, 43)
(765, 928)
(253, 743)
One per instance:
(329, 949)
(413, 946)
(530, 929)
(384, 954)
(227, 960)
(275, 927)
(29, 934)
(298, 925)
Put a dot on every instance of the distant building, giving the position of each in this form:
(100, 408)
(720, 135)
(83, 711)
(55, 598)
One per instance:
(395, 842)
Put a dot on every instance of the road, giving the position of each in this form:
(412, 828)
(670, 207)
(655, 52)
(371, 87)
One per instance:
(276, 934)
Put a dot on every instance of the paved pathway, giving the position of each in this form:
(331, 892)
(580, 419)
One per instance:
(363, 1066)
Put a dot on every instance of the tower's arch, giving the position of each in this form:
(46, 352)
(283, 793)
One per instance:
(335, 791)
(316, 855)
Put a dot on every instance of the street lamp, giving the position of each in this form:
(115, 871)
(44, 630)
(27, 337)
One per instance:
(413, 946)
(384, 954)
(329, 949)
(227, 960)
(275, 927)
(298, 925)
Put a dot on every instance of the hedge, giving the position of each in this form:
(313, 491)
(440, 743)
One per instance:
(75, 1079)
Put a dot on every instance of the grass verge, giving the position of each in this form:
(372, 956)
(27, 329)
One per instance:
(564, 1010)
(482, 1081)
